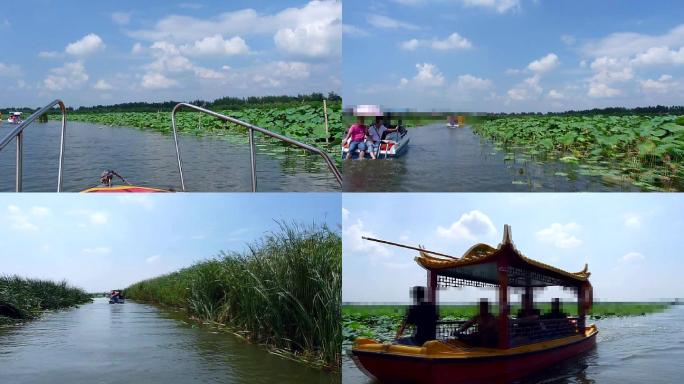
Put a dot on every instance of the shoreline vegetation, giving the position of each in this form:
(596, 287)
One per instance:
(380, 322)
(284, 292)
(26, 299)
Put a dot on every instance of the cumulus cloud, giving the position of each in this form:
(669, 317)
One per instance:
(89, 44)
(632, 256)
(153, 80)
(153, 259)
(453, 41)
(69, 76)
(217, 45)
(556, 95)
(664, 84)
(526, 90)
(544, 64)
(428, 76)
(352, 240)
(470, 226)
(470, 82)
(103, 85)
(21, 220)
(313, 30)
(632, 221)
(561, 235)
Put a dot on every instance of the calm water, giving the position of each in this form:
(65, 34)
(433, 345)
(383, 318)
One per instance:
(136, 343)
(643, 349)
(441, 159)
(149, 159)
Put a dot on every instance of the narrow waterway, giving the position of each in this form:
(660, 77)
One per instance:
(148, 158)
(640, 349)
(137, 343)
(441, 159)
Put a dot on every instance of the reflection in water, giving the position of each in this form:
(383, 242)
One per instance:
(149, 159)
(442, 159)
(136, 343)
(641, 349)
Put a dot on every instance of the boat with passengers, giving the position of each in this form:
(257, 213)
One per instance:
(510, 347)
(393, 143)
(455, 121)
(15, 118)
(109, 178)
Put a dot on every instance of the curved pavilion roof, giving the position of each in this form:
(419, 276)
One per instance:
(480, 264)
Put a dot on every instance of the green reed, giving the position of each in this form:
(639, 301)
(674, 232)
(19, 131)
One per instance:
(285, 291)
(24, 299)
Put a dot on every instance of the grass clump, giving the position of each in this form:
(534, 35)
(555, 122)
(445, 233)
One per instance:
(285, 291)
(24, 299)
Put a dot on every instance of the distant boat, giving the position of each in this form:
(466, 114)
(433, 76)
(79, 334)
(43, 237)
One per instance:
(15, 118)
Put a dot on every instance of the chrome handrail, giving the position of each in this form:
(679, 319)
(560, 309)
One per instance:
(329, 162)
(18, 132)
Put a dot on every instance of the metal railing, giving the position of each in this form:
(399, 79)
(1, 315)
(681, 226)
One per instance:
(529, 331)
(18, 133)
(251, 128)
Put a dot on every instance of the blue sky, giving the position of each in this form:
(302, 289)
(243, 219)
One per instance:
(630, 241)
(105, 242)
(513, 55)
(100, 52)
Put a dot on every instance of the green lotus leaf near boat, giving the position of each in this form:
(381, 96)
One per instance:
(644, 151)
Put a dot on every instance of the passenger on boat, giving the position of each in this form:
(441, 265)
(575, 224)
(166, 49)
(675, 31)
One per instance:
(423, 315)
(377, 133)
(357, 134)
(486, 334)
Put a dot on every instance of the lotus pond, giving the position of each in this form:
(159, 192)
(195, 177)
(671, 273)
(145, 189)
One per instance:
(647, 152)
(305, 123)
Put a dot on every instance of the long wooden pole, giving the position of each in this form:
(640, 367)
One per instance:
(408, 246)
(325, 110)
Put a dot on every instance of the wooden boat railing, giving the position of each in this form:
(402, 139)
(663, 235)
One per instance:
(18, 134)
(528, 331)
(251, 128)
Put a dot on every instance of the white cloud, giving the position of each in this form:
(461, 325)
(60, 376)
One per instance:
(629, 44)
(428, 76)
(345, 213)
(526, 90)
(352, 239)
(98, 218)
(544, 64)
(19, 220)
(470, 82)
(561, 235)
(553, 94)
(103, 85)
(470, 226)
(121, 18)
(632, 221)
(49, 54)
(600, 90)
(217, 45)
(453, 41)
(313, 30)
(97, 251)
(68, 76)
(664, 84)
(354, 31)
(153, 259)
(9, 70)
(380, 21)
(501, 6)
(660, 56)
(632, 256)
(89, 44)
(137, 48)
(157, 81)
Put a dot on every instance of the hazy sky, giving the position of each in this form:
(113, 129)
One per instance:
(513, 55)
(105, 242)
(630, 241)
(101, 52)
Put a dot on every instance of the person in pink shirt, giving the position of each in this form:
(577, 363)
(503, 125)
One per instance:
(357, 132)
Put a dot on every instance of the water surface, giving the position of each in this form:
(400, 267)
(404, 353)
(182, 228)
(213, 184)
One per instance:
(441, 159)
(148, 158)
(137, 343)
